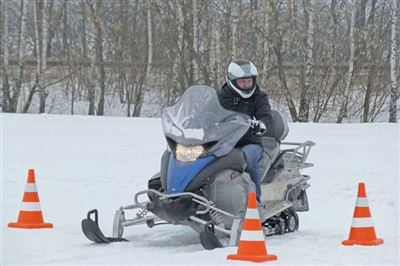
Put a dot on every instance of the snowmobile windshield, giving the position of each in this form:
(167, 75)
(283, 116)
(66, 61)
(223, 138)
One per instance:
(199, 119)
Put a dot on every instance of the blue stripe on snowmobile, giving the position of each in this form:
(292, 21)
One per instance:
(180, 174)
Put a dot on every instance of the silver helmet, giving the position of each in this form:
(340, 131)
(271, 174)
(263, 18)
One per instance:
(240, 69)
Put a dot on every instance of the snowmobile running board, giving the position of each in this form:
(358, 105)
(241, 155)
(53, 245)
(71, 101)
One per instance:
(92, 230)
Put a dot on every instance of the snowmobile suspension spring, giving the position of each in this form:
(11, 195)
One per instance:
(216, 217)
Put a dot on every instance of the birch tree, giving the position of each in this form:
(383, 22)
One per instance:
(36, 85)
(177, 85)
(370, 44)
(309, 67)
(314, 59)
(215, 53)
(14, 95)
(393, 59)
(195, 66)
(43, 54)
(277, 36)
(6, 98)
(264, 41)
(349, 81)
(234, 5)
(96, 9)
(139, 95)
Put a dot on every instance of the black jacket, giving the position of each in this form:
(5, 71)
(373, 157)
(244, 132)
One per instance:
(256, 106)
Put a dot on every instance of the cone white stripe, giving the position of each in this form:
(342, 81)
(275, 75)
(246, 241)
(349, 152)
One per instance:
(30, 187)
(30, 206)
(362, 222)
(252, 236)
(362, 202)
(252, 214)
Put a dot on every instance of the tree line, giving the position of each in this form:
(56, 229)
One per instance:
(319, 60)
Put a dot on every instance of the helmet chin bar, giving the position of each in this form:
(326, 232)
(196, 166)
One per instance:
(242, 93)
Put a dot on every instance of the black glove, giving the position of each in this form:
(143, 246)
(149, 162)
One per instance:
(257, 127)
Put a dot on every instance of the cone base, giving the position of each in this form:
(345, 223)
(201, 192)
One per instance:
(30, 226)
(255, 258)
(375, 242)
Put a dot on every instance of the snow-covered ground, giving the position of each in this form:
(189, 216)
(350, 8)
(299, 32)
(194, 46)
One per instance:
(86, 162)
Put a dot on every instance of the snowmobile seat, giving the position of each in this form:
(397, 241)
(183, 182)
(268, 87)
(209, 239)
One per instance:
(271, 147)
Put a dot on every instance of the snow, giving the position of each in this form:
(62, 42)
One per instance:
(85, 162)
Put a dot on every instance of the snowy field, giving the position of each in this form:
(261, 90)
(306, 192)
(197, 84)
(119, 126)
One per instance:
(86, 162)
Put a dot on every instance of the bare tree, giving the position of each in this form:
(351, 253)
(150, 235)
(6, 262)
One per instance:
(309, 67)
(234, 5)
(14, 94)
(195, 66)
(313, 58)
(370, 44)
(265, 42)
(393, 59)
(215, 51)
(147, 76)
(6, 97)
(345, 96)
(43, 62)
(177, 74)
(277, 46)
(96, 8)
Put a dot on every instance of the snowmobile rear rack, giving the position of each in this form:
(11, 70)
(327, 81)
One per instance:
(297, 155)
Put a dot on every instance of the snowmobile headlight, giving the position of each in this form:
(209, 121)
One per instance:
(188, 153)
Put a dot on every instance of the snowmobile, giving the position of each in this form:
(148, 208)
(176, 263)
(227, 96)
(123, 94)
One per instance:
(203, 181)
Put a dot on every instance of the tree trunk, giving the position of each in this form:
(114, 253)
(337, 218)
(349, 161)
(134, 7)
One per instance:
(349, 82)
(6, 51)
(177, 68)
(140, 93)
(21, 47)
(265, 42)
(43, 67)
(215, 53)
(99, 60)
(87, 76)
(28, 101)
(83, 30)
(253, 25)
(334, 16)
(282, 78)
(235, 21)
(33, 90)
(51, 28)
(393, 59)
(65, 28)
(370, 45)
(305, 94)
(122, 48)
(195, 66)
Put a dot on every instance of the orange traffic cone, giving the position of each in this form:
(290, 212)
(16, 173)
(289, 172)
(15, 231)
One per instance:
(362, 230)
(30, 215)
(252, 245)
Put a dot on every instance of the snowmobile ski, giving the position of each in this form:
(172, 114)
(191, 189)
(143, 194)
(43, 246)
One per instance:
(92, 230)
(209, 241)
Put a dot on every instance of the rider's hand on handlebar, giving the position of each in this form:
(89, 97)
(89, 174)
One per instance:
(257, 127)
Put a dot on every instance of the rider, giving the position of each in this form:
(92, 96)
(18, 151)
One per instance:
(241, 93)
